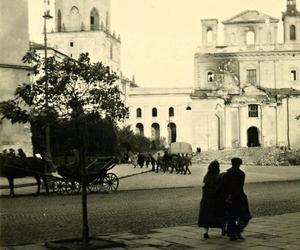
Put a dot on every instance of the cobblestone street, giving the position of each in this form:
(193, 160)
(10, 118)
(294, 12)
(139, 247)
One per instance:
(31, 219)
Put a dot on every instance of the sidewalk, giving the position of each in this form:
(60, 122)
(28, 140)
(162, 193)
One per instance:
(263, 233)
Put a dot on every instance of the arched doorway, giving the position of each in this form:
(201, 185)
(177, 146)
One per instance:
(139, 129)
(155, 131)
(253, 137)
(172, 132)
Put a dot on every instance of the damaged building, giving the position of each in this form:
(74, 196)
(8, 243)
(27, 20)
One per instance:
(246, 92)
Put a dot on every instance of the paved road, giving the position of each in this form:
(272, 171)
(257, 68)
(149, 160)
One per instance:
(29, 219)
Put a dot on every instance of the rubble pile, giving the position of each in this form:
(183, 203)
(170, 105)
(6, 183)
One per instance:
(252, 156)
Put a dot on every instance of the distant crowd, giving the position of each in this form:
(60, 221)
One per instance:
(161, 161)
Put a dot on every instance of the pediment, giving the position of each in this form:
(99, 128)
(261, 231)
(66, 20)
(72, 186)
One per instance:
(253, 91)
(251, 16)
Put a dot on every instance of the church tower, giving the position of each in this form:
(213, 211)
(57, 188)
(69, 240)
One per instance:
(84, 26)
(291, 23)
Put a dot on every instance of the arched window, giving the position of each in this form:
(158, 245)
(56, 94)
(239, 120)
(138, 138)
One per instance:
(292, 32)
(293, 75)
(171, 112)
(210, 76)
(154, 112)
(139, 129)
(74, 19)
(250, 38)
(94, 19)
(59, 26)
(209, 35)
(139, 113)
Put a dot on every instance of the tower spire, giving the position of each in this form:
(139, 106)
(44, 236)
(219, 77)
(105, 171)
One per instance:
(291, 9)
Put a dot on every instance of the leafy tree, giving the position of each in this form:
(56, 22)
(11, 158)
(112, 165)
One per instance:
(133, 142)
(70, 90)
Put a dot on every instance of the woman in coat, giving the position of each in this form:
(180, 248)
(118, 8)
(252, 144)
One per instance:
(236, 205)
(211, 212)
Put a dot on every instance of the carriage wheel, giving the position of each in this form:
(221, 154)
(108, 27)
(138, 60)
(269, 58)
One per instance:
(58, 187)
(72, 187)
(111, 182)
(95, 186)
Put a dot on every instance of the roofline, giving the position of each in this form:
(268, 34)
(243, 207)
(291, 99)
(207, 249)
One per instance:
(228, 21)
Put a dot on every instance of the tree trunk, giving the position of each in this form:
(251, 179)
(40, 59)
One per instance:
(82, 159)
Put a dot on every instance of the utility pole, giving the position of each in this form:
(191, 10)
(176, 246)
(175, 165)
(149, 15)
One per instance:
(46, 17)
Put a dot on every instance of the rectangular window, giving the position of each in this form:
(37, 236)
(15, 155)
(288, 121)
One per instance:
(293, 75)
(92, 20)
(253, 110)
(251, 76)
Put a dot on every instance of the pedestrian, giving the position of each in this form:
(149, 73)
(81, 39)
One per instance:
(236, 201)
(211, 212)
(21, 153)
(153, 162)
(187, 163)
(141, 160)
(159, 163)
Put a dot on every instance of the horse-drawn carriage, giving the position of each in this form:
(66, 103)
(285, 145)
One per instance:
(68, 179)
(97, 177)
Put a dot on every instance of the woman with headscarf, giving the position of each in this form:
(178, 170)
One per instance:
(210, 214)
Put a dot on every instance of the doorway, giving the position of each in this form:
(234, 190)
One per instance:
(253, 137)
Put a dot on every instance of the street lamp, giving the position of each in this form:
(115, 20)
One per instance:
(46, 17)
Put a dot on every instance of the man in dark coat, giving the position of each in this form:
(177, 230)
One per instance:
(236, 202)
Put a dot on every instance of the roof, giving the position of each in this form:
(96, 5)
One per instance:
(251, 16)
(282, 91)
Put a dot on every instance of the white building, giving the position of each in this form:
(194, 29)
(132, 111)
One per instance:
(246, 92)
(14, 37)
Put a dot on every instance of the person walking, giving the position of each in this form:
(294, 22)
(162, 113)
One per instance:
(210, 214)
(236, 201)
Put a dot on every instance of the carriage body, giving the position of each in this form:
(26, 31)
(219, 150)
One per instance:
(97, 177)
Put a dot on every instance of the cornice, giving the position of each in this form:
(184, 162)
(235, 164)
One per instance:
(13, 66)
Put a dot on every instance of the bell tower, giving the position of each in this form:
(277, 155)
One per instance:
(291, 23)
(209, 32)
(83, 26)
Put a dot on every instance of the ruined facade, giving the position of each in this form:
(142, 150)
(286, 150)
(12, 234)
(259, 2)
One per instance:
(246, 92)
(14, 37)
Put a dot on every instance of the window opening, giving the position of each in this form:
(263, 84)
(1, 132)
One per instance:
(251, 76)
(253, 110)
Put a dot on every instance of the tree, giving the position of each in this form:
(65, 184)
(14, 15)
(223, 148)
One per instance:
(71, 90)
(133, 142)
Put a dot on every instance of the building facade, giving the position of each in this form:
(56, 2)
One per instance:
(84, 26)
(246, 91)
(14, 37)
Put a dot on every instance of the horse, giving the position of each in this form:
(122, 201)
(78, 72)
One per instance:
(15, 167)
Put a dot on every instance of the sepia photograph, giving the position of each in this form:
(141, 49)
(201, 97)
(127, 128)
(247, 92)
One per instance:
(150, 124)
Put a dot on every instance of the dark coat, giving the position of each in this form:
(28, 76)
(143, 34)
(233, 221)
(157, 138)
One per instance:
(211, 209)
(236, 205)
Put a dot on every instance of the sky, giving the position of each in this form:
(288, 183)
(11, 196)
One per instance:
(160, 37)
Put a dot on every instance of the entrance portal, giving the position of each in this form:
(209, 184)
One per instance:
(253, 139)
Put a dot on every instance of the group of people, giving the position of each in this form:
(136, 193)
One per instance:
(179, 162)
(12, 153)
(162, 162)
(224, 203)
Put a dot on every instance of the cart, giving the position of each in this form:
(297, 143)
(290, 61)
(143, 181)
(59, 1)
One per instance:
(68, 180)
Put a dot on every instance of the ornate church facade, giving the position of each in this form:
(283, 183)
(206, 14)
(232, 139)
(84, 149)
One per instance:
(246, 92)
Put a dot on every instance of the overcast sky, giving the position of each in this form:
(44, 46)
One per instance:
(160, 37)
